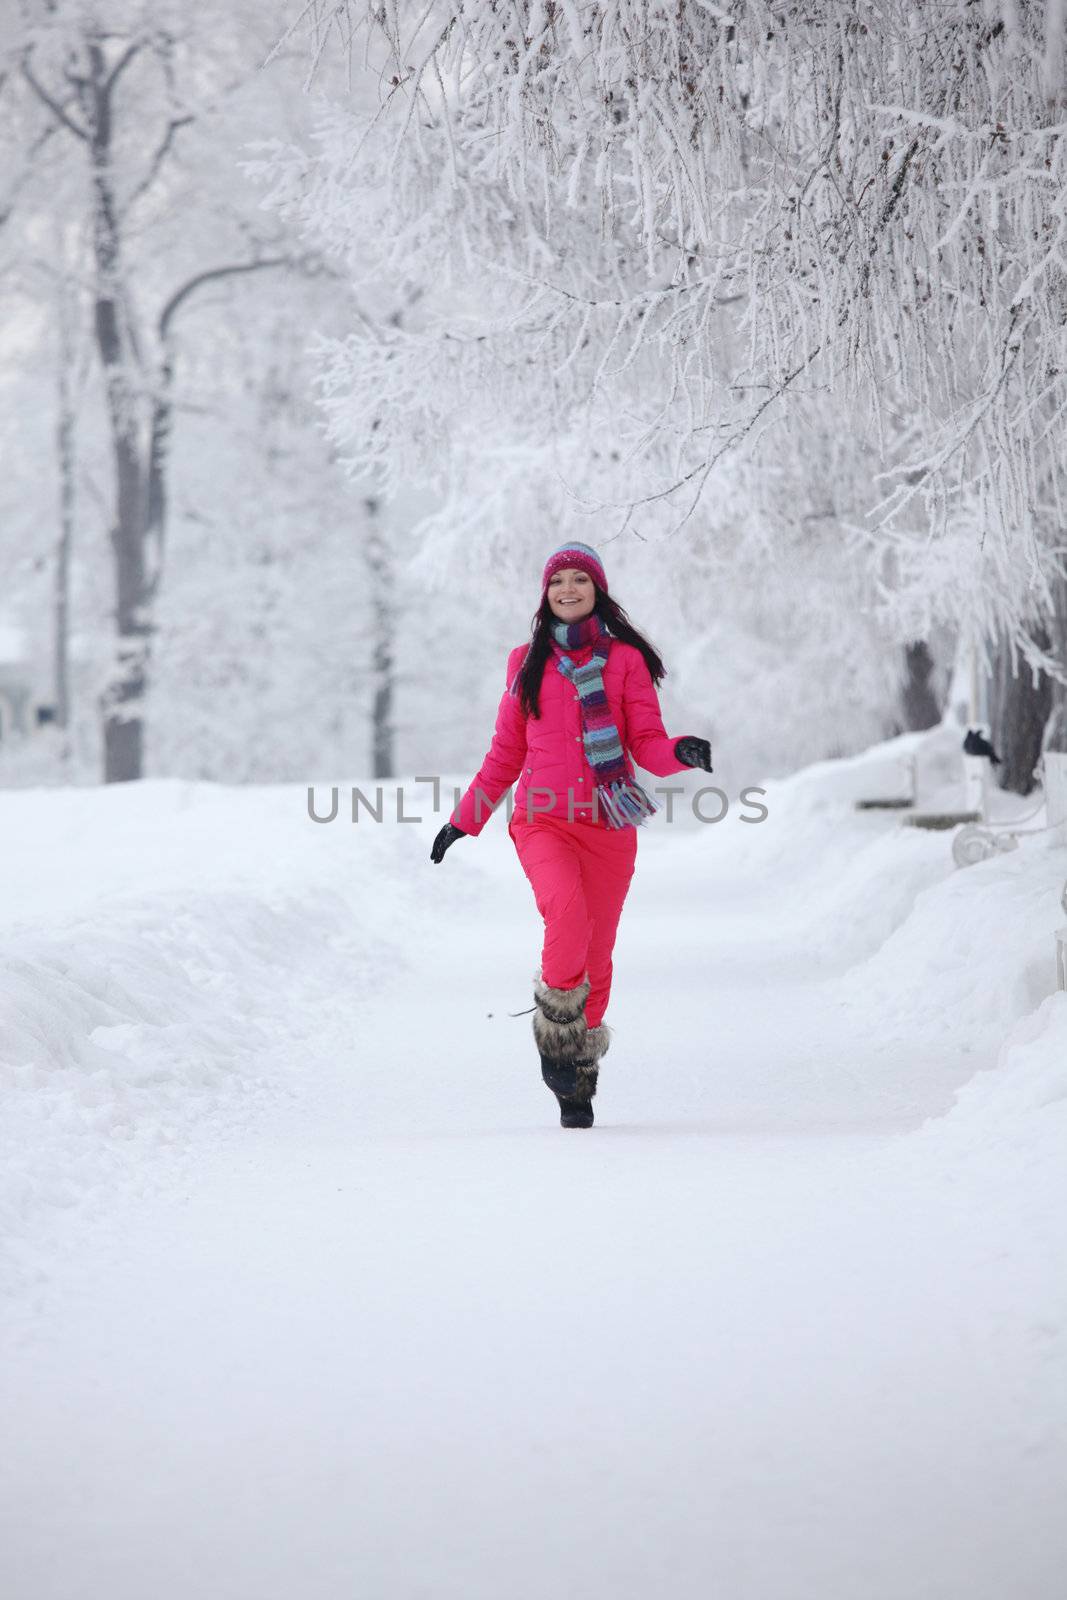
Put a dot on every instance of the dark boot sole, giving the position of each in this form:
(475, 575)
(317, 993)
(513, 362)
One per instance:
(575, 1114)
(573, 1083)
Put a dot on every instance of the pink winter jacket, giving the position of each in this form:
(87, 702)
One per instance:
(547, 753)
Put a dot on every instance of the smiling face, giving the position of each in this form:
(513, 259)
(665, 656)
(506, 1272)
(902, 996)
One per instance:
(571, 594)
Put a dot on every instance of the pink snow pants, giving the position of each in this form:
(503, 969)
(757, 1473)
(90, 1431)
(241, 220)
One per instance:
(580, 873)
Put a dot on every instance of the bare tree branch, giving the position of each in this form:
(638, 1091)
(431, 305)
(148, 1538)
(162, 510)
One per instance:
(7, 205)
(121, 64)
(212, 275)
(161, 152)
(54, 106)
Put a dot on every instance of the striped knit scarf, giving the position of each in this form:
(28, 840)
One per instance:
(623, 802)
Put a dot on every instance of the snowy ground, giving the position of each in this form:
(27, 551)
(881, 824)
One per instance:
(307, 1294)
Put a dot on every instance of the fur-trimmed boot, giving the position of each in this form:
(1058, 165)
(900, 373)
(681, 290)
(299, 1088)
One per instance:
(569, 1050)
(587, 1069)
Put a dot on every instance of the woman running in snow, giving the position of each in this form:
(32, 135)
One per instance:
(568, 734)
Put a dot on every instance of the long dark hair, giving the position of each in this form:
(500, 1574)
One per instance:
(618, 625)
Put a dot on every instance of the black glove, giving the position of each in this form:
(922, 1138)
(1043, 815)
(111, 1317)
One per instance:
(448, 835)
(694, 752)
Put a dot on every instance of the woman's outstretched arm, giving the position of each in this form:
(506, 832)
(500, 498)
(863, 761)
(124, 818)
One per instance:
(651, 746)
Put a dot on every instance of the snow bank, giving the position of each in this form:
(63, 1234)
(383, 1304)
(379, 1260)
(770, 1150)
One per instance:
(1013, 1118)
(166, 952)
(975, 953)
(994, 1166)
(120, 1032)
(927, 948)
(817, 801)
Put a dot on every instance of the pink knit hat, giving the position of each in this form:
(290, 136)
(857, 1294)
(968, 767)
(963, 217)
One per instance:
(582, 556)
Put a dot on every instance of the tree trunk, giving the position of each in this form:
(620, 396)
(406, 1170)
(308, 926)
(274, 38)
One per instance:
(1057, 733)
(383, 666)
(1019, 710)
(123, 699)
(918, 702)
(140, 430)
(66, 456)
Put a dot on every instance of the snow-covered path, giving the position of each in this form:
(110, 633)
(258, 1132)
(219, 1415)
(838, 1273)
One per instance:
(384, 1329)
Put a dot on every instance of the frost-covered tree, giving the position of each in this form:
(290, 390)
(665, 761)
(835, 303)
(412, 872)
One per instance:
(685, 225)
(129, 93)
